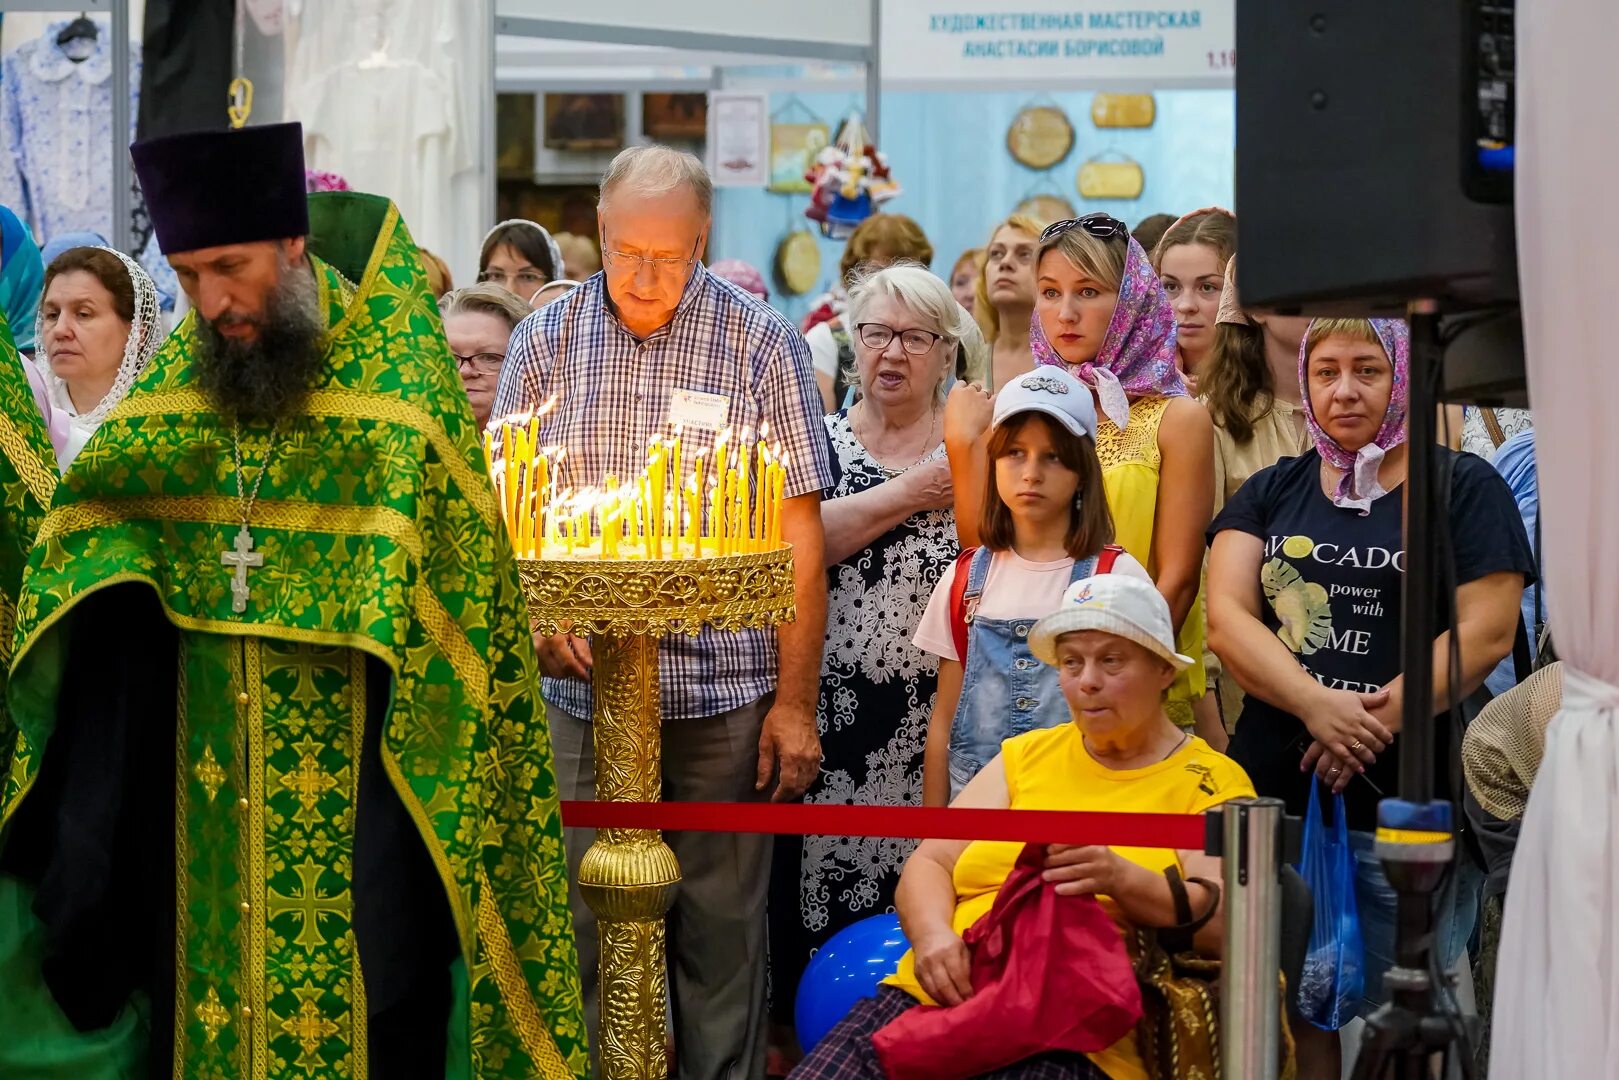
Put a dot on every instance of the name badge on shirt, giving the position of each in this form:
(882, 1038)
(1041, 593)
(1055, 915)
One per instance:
(695, 409)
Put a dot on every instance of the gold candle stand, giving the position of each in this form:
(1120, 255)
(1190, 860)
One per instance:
(628, 876)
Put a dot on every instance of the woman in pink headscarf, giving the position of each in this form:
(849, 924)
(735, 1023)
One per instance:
(1102, 313)
(1305, 612)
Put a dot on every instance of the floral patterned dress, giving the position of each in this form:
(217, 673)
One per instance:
(876, 696)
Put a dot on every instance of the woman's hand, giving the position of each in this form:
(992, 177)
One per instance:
(928, 484)
(968, 412)
(1344, 723)
(943, 966)
(1084, 871)
(1329, 768)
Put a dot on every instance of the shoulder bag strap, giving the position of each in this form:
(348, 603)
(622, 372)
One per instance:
(1109, 555)
(959, 615)
(1493, 426)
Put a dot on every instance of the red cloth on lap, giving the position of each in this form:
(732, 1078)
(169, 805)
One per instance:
(1049, 972)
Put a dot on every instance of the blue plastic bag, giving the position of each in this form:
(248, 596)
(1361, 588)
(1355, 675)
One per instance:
(1334, 978)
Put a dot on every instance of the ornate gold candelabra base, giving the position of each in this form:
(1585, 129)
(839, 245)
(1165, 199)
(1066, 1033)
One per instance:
(629, 876)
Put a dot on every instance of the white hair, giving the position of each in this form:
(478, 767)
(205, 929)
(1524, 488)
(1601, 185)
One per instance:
(658, 170)
(924, 295)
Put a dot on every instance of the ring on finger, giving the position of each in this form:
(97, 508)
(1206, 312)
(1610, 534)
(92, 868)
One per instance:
(1357, 745)
(1335, 770)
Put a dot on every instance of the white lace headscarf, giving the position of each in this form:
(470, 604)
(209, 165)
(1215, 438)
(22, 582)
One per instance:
(545, 235)
(145, 337)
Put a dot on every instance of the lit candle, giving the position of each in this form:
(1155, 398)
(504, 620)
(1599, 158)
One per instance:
(525, 480)
(646, 514)
(509, 447)
(733, 520)
(694, 519)
(717, 522)
(742, 494)
(762, 499)
(781, 483)
(676, 487)
(610, 520)
(767, 495)
(657, 477)
(542, 493)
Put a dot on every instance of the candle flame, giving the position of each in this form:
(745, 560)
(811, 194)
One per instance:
(550, 403)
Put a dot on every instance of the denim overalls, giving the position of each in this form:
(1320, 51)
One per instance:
(1005, 691)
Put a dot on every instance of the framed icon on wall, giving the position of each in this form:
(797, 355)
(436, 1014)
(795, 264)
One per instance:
(674, 116)
(584, 121)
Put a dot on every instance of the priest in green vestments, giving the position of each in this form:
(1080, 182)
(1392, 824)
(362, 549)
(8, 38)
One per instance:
(279, 785)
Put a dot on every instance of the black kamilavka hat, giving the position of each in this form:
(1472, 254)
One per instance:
(211, 188)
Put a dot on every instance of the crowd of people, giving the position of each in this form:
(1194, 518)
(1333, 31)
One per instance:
(1072, 529)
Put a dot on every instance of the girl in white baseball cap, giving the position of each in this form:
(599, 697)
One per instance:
(1045, 524)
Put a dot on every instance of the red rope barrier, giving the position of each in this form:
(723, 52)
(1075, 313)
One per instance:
(1183, 831)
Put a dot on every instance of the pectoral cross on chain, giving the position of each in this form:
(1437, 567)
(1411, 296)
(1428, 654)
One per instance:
(243, 559)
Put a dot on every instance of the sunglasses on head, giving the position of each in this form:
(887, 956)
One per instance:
(1101, 226)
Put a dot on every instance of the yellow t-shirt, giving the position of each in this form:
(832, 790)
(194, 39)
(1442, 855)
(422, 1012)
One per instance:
(1130, 473)
(1050, 769)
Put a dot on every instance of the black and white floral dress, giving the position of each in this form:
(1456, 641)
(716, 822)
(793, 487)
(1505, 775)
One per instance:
(876, 696)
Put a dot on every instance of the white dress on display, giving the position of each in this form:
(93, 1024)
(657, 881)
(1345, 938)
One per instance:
(379, 88)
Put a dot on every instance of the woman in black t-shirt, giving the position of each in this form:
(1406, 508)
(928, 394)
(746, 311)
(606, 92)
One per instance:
(1305, 611)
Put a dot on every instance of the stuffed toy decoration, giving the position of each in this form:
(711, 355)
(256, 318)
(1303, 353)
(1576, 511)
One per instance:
(849, 179)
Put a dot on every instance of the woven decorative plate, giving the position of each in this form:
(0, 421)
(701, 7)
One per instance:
(798, 262)
(1040, 136)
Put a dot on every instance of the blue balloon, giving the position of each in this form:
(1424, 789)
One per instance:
(844, 970)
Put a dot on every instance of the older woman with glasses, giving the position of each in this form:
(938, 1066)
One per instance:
(478, 322)
(889, 536)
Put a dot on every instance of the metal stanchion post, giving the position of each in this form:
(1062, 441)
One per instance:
(1250, 1005)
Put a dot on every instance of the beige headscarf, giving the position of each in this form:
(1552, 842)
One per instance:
(1230, 307)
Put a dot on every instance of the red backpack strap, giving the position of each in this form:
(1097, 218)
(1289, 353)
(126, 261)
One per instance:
(958, 602)
(1107, 557)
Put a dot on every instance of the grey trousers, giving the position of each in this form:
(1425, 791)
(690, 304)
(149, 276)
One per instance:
(717, 925)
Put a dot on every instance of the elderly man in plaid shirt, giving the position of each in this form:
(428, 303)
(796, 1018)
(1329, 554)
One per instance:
(652, 343)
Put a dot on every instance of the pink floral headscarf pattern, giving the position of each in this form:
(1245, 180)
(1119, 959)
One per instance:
(1358, 488)
(1137, 357)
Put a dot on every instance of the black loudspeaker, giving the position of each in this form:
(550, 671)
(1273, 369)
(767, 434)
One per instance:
(1359, 130)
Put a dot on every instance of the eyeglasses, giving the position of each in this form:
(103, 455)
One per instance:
(1101, 226)
(523, 279)
(484, 363)
(628, 263)
(876, 336)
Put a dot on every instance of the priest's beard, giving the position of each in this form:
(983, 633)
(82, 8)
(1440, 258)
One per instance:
(269, 377)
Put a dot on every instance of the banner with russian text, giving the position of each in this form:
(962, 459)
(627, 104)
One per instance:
(1005, 44)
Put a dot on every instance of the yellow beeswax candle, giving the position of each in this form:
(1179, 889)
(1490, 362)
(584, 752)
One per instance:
(762, 498)
(742, 493)
(775, 507)
(676, 489)
(542, 494)
(657, 477)
(508, 447)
